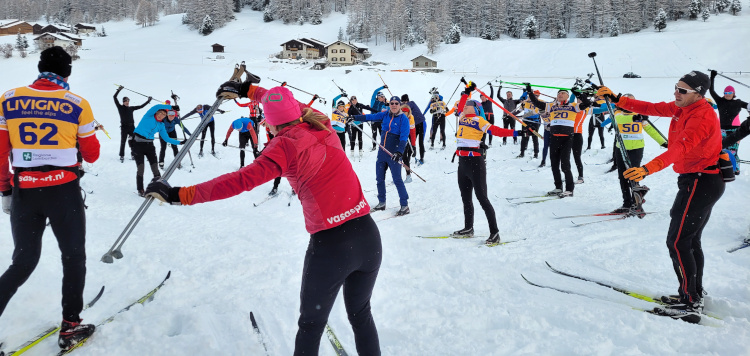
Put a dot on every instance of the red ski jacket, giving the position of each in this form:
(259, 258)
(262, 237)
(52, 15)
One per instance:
(315, 165)
(694, 135)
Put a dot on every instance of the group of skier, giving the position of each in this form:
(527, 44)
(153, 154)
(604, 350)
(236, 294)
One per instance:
(307, 148)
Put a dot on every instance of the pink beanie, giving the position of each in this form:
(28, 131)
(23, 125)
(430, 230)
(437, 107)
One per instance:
(728, 89)
(280, 107)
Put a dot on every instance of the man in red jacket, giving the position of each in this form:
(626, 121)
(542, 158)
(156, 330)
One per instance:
(694, 147)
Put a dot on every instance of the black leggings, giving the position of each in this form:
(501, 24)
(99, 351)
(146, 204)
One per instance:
(125, 133)
(560, 147)
(438, 121)
(163, 148)
(63, 206)
(577, 149)
(342, 138)
(376, 127)
(354, 135)
(635, 156)
(697, 193)
(245, 137)
(472, 176)
(509, 122)
(420, 140)
(140, 150)
(347, 255)
(526, 134)
(211, 125)
(595, 123)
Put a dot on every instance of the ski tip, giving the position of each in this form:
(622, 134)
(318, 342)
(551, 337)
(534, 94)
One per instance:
(169, 274)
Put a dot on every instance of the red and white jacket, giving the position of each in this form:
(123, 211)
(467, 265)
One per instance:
(313, 162)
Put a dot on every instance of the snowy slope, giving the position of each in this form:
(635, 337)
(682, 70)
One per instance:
(433, 297)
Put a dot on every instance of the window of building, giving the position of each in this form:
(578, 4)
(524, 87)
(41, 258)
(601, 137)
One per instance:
(342, 51)
(333, 59)
(416, 64)
(333, 51)
(426, 64)
(342, 59)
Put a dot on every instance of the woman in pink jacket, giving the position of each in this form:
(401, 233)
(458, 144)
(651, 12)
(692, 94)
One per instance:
(345, 248)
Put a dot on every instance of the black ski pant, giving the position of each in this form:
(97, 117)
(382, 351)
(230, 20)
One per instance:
(376, 127)
(577, 149)
(545, 149)
(406, 158)
(63, 206)
(420, 140)
(560, 157)
(472, 176)
(126, 132)
(245, 137)
(342, 138)
(163, 148)
(491, 120)
(525, 135)
(211, 125)
(697, 193)
(347, 255)
(595, 124)
(438, 122)
(355, 135)
(509, 122)
(635, 156)
(147, 150)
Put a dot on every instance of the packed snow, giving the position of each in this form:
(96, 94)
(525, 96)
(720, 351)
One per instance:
(433, 297)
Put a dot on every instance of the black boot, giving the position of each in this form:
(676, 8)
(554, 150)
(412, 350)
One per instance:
(463, 233)
(72, 333)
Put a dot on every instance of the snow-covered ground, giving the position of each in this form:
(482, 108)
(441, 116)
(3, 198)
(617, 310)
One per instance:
(433, 297)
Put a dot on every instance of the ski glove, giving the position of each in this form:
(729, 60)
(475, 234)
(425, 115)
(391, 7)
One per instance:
(470, 87)
(607, 92)
(397, 157)
(635, 173)
(528, 87)
(232, 90)
(161, 190)
(6, 201)
(713, 74)
(225, 143)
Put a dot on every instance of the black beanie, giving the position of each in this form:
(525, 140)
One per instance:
(404, 98)
(55, 60)
(698, 81)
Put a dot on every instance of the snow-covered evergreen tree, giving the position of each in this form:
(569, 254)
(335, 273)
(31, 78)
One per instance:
(454, 34)
(614, 28)
(433, 37)
(268, 13)
(340, 37)
(660, 22)
(411, 36)
(207, 26)
(722, 5)
(316, 17)
(19, 42)
(705, 15)
(696, 6)
(530, 28)
(735, 7)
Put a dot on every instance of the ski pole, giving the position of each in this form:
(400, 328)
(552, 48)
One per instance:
(116, 250)
(148, 96)
(103, 129)
(730, 79)
(510, 114)
(385, 85)
(625, 158)
(389, 153)
(341, 90)
(284, 84)
(520, 88)
(535, 85)
(657, 130)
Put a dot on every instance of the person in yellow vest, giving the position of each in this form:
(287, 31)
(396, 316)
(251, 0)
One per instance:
(472, 166)
(409, 151)
(338, 122)
(631, 127)
(562, 116)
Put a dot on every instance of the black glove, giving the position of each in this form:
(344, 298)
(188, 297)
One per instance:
(397, 157)
(489, 83)
(611, 127)
(463, 80)
(232, 90)
(183, 142)
(713, 74)
(315, 97)
(665, 145)
(283, 84)
(120, 87)
(469, 88)
(385, 86)
(160, 189)
(528, 87)
(256, 153)
(174, 97)
(224, 143)
(176, 107)
(150, 98)
(499, 88)
(349, 120)
(344, 95)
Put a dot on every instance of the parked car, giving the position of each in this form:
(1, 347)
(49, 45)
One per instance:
(630, 75)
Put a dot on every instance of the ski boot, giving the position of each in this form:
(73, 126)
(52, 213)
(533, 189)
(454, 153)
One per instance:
(493, 240)
(689, 312)
(621, 210)
(379, 207)
(464, 233)
(403, 211)
(566, 194)
(141, 193)
(274, 191)
(161, 165)
(361, 153)
(611, 169)
(200, 154)
(72, 333)
(122, 159)
(555, 192)
(373, 148)
(543, 164)
(408, 178)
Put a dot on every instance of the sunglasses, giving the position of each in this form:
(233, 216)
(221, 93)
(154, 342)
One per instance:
(728, 92)
(353, 98)
(682, 90)
(394, 103)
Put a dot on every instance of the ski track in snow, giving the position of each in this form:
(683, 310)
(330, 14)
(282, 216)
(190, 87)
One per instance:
(433, 297)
